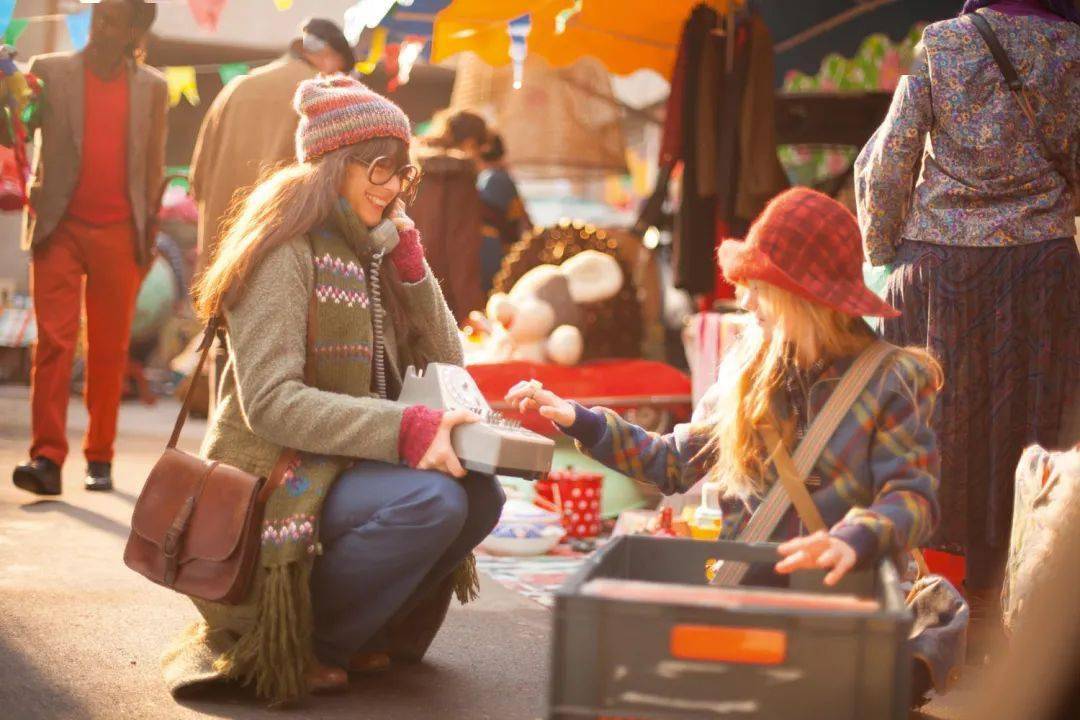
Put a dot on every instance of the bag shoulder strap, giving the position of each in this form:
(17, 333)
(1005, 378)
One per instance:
(795, 484)
(1012, 78)
(185, 406)
(772, 510)
(793, 472)
(836, 407)
(1015, 85)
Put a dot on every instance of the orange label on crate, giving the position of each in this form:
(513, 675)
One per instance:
(728, 644)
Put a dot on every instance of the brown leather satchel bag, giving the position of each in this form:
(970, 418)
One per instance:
(195, 528)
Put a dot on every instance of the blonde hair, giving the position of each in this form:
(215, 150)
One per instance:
(754, 371)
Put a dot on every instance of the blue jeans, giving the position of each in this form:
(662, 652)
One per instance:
(390, 534)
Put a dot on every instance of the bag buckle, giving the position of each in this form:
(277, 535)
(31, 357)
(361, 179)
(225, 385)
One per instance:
(170, 546)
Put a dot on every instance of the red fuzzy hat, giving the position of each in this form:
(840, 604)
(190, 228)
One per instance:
(808, 244)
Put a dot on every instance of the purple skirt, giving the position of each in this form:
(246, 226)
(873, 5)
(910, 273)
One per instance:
(1004, 322)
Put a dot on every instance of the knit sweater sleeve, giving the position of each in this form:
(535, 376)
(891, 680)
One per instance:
(437, 337)
(267, 331)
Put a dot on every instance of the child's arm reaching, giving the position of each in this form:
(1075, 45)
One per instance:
(667, 461)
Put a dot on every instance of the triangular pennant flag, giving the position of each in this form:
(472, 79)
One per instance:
(564, 16)
(7, 8)
(409, 53)
(206, 13)
(78, 25)
(181, 81)
(519, 29)
(375, 52)
(228, 71)
(15, 30)
(366, 14)
(283, 5)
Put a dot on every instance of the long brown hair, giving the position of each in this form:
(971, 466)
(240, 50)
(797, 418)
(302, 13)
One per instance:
(754, 372)
(285, 205)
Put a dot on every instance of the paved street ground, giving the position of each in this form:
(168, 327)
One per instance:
(80, 635)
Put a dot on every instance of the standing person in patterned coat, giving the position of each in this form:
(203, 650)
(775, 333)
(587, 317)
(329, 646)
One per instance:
(973, 206)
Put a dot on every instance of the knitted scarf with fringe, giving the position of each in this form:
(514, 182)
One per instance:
(274, 652)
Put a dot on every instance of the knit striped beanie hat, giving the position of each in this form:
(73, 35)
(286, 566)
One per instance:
(337, 111)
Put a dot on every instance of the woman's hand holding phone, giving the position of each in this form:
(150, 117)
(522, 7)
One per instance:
(440, 454)
(529, 395)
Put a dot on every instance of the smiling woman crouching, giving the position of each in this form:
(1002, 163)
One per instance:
(326, 297)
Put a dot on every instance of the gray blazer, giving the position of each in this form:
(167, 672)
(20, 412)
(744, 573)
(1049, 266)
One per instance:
(58, 152)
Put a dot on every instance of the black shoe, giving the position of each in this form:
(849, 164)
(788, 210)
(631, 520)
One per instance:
(40, 476)
(98, 476)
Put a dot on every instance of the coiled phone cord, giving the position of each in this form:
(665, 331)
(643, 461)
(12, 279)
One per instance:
(377, 355)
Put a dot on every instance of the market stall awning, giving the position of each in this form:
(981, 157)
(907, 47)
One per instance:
(623, 36)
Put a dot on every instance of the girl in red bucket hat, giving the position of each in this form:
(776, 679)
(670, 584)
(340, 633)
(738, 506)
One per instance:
(875, 484)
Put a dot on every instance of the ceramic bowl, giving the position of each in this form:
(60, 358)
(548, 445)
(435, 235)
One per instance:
(522, 539)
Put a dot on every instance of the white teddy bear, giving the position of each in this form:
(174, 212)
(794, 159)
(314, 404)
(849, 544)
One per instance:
(538, 320)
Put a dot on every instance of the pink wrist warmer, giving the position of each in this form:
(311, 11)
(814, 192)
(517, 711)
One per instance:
(418, 427)
(408, 256)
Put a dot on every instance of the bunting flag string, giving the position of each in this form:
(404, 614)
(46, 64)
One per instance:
(519, 29)
(564, 16)
(367, 14)
(206, 13)
(78, 25)
(408, 54)
(375, 52)
(15, 30)
(228, 71)
(183, 79)
(181, 82)
(7, 9)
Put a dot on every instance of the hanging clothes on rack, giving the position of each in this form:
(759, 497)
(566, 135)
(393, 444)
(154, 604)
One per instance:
(696, 219)
(720, 127)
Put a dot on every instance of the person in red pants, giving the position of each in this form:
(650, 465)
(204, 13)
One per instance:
(89, 226)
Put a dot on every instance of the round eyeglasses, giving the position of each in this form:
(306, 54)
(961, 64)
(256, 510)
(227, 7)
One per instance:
(382, 169)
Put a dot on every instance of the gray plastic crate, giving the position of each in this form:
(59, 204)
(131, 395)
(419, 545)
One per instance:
(612, 658)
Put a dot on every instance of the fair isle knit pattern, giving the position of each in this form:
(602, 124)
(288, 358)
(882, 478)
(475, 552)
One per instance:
(339, 111)
(342, 358)
(337, 266)
(341, 296)
(343, 351)
(297, 528)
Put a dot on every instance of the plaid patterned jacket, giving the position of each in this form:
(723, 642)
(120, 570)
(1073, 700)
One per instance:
(878, 473)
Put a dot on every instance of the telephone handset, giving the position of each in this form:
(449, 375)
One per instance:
(384, 236)
(496, 446)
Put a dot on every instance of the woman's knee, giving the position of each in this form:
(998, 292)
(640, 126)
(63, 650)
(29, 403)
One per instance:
(439, 504)
(486, 500)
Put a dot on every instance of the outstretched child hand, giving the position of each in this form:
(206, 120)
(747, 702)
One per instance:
(820, 551)
(530, 395)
